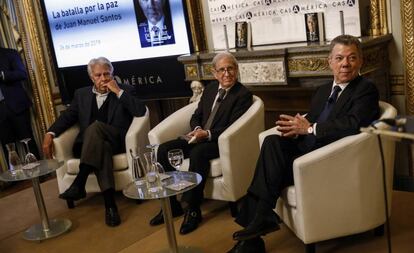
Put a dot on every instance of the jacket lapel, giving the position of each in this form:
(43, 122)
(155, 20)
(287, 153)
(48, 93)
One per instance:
(225, 104)
(112, 105)
(345, 96)
(88, 105)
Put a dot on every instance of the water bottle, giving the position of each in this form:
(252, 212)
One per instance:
(15, 164)
(153, 173)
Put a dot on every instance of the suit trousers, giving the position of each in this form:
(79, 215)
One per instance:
(15, 127)
(200, 155)
(273, 173)
(101, 141)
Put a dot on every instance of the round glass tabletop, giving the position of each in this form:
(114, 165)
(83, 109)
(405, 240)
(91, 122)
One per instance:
(173, 183)
(31, 170)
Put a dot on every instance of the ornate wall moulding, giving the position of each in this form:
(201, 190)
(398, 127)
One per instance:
(263, 73)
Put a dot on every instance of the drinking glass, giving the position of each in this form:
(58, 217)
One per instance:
(15, 164)
(176, 157)
(30, 157)
(138, 167)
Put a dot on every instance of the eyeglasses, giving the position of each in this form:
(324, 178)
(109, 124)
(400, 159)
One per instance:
(229, 70)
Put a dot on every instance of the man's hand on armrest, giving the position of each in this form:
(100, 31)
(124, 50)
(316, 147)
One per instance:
(47, 145)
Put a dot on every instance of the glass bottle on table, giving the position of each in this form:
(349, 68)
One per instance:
(15, 164)
(153, 171)
(138, 168)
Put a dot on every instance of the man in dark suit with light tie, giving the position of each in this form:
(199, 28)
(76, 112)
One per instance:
(338, 109)
(104, 113)
(221, 104)
(155, 27)
(15, 104)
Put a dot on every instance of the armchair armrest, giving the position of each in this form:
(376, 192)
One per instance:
(173, 126)
(339, 184)
(264, 134)
(240, 140)
(137, 135)
(63, 143)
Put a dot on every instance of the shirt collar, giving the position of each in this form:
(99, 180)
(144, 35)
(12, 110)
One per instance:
(227, 89)
(342, 85)
(99, 94)
(159, 24)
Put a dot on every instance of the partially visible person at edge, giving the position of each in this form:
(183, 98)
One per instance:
(15, 124)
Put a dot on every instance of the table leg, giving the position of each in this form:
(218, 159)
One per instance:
(48, 228)
(169, 225)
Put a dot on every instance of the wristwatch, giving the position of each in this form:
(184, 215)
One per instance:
(310, 129)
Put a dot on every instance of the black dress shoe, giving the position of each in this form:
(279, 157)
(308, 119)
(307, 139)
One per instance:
(73, 193)
(191, 220)
(112, 218)
(159, 218)
(255, 245)
(255, 229)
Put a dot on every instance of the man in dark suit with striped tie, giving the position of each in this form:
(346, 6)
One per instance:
(338, 109)
(222, 103)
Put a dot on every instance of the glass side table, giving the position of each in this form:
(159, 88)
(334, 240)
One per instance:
(48, 228)
(135, 191)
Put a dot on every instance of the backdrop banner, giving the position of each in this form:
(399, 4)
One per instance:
(280, 21)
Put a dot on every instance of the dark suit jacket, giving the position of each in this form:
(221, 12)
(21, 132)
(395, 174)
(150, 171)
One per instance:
(235, 103)
(167, 33)
(14, 94)
(120, 111)
(356, 107)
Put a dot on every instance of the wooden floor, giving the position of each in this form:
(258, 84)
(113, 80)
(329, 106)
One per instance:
(18, 211)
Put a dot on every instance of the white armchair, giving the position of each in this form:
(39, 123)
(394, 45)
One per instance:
(338, 189)
(135, 137)
(232, 172)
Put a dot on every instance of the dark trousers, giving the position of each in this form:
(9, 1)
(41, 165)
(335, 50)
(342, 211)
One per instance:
(200, 155)
(15, 127)
(273, 173)
(100, 142)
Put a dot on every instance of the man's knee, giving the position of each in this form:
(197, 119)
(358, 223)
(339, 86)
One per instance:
(94, 129)
(271, 139)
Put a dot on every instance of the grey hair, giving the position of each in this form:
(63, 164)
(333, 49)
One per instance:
(346, 40)
(228, 55)
(100, 61)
